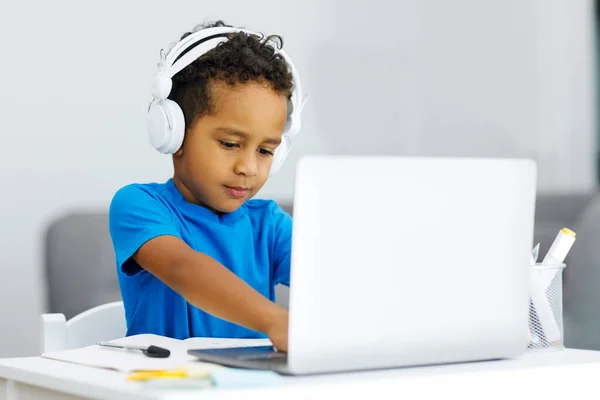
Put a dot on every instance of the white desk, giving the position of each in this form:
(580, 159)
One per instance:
(545, 375)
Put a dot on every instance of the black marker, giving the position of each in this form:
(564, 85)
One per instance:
(150, 351)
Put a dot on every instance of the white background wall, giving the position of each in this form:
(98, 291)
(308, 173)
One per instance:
(414, 77)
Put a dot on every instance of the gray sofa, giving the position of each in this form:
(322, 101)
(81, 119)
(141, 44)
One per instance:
(80, 265)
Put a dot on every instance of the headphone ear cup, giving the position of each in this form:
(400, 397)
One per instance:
(166, 126)
(280, 154)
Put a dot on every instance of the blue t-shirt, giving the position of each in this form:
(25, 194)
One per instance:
(254, 242)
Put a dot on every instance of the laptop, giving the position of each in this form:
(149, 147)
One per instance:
(400, 261)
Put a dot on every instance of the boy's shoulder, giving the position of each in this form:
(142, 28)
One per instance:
(132, 189)
(139, 189)
(138, 196)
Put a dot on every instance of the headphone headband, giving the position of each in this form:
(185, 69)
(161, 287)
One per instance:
(198, 43)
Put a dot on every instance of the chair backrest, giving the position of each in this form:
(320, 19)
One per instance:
(104, 322)
(80, 264)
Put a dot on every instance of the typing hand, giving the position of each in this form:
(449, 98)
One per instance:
(278, 332)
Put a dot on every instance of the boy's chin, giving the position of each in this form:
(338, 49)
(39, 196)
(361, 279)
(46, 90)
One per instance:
(229, 205)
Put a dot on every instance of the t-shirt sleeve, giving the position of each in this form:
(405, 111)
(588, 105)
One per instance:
(282, 246)
(137, 215)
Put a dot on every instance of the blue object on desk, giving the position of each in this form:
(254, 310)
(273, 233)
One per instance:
(243, 378)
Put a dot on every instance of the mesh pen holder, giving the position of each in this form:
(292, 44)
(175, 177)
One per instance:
(546, 308)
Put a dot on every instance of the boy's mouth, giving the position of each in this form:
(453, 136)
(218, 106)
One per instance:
(236, 192)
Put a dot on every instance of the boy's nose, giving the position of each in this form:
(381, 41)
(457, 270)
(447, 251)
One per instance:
(246, 165)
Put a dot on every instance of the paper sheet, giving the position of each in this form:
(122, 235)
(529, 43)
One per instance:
(120, 360)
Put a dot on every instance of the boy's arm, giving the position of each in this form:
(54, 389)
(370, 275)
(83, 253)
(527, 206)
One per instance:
(210, 286)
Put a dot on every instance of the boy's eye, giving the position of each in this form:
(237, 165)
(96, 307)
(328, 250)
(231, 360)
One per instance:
(228, 145)
(266, 152)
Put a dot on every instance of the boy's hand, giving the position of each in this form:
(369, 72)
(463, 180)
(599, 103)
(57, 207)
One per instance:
(278, 332)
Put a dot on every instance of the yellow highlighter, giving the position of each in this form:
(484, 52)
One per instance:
(557, 253)
(560, 247)
(177, 373)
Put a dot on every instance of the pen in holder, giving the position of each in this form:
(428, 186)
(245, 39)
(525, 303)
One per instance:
(545, 308)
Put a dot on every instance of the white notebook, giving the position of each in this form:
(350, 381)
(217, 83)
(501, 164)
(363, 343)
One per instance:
(120, 360)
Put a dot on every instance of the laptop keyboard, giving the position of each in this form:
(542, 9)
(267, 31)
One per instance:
(275, 355)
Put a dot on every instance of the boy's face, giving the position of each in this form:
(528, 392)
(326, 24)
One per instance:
(227, 155)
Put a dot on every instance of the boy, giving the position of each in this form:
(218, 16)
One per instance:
(195, 255)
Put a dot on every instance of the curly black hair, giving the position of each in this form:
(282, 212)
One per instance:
(242, 58)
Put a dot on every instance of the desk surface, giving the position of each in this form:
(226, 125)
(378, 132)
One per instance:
(557, 373)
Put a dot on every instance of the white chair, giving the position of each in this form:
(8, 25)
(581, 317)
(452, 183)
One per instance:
(104, 322)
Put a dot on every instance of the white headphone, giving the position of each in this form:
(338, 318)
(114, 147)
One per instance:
(165, 121)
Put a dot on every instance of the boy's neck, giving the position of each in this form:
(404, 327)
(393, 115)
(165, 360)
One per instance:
(190, 198)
